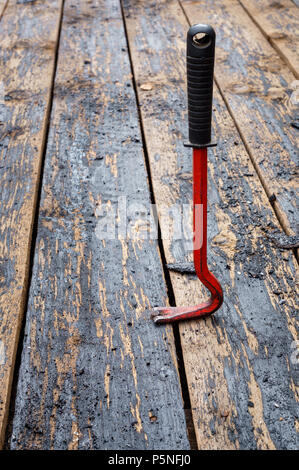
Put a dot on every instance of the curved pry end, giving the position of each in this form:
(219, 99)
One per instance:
(174, 314)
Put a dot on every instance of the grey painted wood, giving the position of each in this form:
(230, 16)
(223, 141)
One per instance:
(95, 371)
(28, 43)
(241, 363)
(257, 85)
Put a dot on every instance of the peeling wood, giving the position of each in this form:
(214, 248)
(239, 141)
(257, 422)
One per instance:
(257, 87)
(94, 367)
(3, 4)
(242, 382)
(26, 69)
(279, 21)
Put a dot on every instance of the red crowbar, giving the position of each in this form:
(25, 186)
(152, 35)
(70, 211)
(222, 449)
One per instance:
(200, 69)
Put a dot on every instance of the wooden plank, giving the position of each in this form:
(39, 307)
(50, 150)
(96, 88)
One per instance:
(28, 40)
(242, 379)
(256, 86)
(2, 7)
(279, 21)
(95, 372)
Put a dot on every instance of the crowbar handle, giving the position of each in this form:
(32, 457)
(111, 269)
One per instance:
(200, 71)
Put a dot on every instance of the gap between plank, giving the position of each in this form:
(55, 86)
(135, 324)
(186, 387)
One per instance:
(272, 43)
(170, 292)
(3, 9)
(33, 237)
(278, 213)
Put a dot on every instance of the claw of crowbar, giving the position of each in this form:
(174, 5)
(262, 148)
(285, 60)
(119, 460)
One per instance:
(200, 67)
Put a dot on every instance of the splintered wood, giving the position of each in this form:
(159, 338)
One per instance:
(101, 368)
(233, 359)
(95, 372)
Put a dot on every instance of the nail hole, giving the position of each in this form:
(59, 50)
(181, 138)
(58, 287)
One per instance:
(201, 40)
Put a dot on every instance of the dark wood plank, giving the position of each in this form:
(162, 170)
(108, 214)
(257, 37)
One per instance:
(95, 372)
(279, 21)
(28, 41)
(256, 85)
(241, 367)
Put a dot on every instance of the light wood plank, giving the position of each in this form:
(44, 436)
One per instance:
(242, 382)
(2, 7)
(28, 40)
(95, 373)
(256, 85)
(279, 21)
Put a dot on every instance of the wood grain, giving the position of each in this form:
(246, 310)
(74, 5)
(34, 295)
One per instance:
(95, 372)
(242, 382)
(279, 21)
(2, 7)
(28, 40)
(256, 85)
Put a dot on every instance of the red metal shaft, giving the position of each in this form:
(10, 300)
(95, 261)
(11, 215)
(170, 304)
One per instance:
(172, 314)
(200, 183)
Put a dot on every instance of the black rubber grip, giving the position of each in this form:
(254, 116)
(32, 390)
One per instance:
(200, 71)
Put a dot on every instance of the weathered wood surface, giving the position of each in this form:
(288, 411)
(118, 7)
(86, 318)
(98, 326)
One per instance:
(256, 85)
(28, 39)
(279, 20)
(243, 381)
(95, 371)
(2, 7)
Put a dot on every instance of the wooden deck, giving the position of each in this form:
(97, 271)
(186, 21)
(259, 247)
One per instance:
(93, 108)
